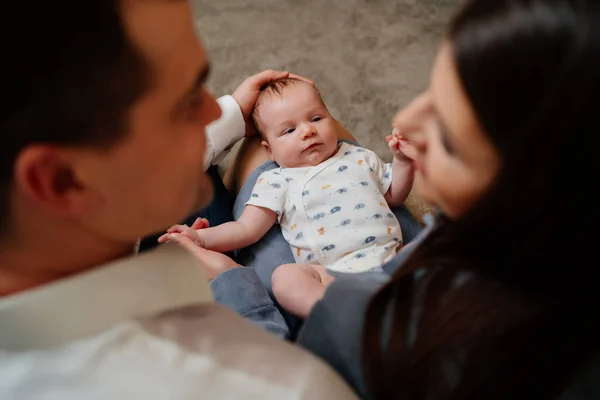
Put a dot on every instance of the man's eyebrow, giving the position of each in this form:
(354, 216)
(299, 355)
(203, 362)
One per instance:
(201, 78)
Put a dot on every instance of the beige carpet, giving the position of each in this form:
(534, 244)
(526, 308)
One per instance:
(368, 57)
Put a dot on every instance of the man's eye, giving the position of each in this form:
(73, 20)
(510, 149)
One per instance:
(316, 119)
(194, 104)
(290, 130)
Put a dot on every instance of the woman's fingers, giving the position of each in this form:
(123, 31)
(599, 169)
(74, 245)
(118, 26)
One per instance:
(407, 149)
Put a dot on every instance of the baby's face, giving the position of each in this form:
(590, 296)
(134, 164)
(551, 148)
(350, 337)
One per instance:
(297, 128)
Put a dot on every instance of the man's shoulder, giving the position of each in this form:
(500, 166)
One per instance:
(205, 349)
(251, 360)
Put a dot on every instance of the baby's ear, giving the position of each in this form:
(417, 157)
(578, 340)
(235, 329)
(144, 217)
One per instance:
(265, 144)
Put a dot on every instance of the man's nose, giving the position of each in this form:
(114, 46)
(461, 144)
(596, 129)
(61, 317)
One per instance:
(211, 111)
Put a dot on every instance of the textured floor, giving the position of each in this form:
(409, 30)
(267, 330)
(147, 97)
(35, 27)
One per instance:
(368, 57)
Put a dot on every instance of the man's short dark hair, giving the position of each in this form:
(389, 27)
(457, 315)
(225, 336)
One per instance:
(70, 74)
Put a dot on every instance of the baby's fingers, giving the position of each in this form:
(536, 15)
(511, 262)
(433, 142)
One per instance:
(182, 229)
(393, 144)
(200, 223)
(394, 136)
(177, 228)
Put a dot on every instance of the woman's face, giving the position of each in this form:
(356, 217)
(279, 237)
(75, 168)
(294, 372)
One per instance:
(455, 162)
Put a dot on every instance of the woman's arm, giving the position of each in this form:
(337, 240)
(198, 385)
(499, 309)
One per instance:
(333, 330)
(241, 290)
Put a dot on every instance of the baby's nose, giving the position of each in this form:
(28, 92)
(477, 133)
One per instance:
(309, 132)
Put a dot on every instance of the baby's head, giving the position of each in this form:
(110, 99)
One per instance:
(296, 127)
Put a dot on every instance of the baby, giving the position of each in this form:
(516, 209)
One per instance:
(331, 199)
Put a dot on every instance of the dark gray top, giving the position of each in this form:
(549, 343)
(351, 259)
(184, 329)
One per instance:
(334, 329)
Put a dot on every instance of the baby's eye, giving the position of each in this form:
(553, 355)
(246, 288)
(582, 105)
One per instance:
(316, 119)
(289, 130)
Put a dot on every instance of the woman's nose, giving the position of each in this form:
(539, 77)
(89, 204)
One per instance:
(416, 137)
(411, 121)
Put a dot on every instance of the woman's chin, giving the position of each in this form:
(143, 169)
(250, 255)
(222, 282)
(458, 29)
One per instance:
(421, 188)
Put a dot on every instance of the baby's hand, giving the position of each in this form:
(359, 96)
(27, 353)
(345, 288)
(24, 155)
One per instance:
(400, 147)
(192, 232)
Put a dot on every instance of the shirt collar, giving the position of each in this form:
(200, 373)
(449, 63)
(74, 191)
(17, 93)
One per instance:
(88, 303)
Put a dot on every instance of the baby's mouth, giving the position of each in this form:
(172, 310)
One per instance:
(312, 146)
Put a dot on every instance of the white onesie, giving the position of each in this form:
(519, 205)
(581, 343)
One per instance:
(334, 214)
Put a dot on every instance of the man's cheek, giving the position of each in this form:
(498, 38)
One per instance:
(203, 193)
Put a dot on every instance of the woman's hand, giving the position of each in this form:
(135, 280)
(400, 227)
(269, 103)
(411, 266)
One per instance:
(247, 93)
(400, 147)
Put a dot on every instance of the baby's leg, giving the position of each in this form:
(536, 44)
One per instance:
(297, 287)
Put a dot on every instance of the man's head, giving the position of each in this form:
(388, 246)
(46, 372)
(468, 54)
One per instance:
(103, 124)
(295, 125)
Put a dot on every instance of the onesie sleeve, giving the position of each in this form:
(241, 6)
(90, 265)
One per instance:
(381, 170)
(270, 192)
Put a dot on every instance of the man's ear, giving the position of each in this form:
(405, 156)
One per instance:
(265, 144)
(48, 176)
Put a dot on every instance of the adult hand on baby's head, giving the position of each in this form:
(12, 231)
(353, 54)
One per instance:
(400, 147)
(190, 232)
(247, 93)
(213, 263)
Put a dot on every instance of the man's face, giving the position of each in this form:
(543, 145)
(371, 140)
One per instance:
(154, 176)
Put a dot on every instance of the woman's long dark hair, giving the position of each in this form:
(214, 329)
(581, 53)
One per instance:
(502, 303)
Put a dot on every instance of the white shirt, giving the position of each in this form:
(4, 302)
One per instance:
(222, 134)
(334, 214)
(145, 327)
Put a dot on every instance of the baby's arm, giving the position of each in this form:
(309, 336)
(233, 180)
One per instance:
(252, 225)
(403, 173)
